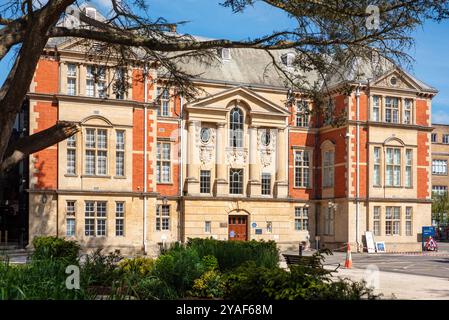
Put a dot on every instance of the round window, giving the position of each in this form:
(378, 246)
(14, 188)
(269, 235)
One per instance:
(393, 81)
(266, 138)
(205, 135)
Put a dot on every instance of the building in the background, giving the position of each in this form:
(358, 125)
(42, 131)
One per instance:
(239, 162)
(440, 177)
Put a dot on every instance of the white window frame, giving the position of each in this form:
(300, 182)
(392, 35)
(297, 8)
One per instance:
(120, 208)
(163, 94)
(376, 220)
(93, 218)
(302, 114)
(377, 154)
(301, 218)
(434, 138)
(328, 168)
(439, 167)
(302, 168)
(236, 128)
(392, 221)
(205, 181)
(98, 85)
(393, 168)
(408, 168)
(408, 221)
(408, 111)
(120, 153)
(71, 155)
(163, 217)
(98, 149)
(376, 108)
(163, 162)
(392, 110)
(266, 184)
(72, 79)
(236, 186)
(71, 216)
(440, 190)
(445, 139)
(207, 226)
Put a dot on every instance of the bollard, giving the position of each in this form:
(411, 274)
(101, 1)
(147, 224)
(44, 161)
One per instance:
(300, 249)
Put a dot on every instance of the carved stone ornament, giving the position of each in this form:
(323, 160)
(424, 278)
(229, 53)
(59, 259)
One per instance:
(206, 154)
(236, 156)
(394, 80)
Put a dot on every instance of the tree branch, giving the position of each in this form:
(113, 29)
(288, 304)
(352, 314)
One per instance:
(38, 141)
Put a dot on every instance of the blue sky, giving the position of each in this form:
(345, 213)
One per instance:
(209, 19)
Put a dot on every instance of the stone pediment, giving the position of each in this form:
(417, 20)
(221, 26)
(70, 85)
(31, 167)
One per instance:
(223, 101)
(399, 79)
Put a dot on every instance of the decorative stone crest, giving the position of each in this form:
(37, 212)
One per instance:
(236, 156)
(206, 154)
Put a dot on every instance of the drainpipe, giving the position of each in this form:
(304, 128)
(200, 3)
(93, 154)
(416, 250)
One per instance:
(357, 222)
(145, 162)
(181, 163)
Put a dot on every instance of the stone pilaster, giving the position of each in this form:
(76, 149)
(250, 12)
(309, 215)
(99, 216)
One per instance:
(281, 172)
(221, 176)
(254, 167)
(192, 181)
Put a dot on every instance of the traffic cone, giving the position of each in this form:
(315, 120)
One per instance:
(348, 261)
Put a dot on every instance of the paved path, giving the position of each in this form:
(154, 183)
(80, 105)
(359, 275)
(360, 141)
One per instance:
(397, 276)
(393, 285)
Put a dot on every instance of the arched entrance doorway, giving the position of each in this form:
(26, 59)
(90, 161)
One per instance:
(238, 227)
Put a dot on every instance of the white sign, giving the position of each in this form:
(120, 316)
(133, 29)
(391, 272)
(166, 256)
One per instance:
(370, 242)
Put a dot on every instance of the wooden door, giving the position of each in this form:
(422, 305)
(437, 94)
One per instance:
(238, 228)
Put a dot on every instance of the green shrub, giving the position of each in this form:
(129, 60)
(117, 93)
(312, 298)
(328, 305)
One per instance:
(210, 285)
(302, 282)
(178, 269)
(210, 262)
(40, 279)
(152, 288)
(54, 247)
(231, 254)
(140, 265)
(101, 269)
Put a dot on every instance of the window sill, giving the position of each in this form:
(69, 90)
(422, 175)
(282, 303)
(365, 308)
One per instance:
(394, 187)
(95, 176)
(304, 188)
(68, 175)
(165, 183)
(119, 177)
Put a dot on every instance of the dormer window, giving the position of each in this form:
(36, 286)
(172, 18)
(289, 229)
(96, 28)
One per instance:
(288, 59)
(225, 53)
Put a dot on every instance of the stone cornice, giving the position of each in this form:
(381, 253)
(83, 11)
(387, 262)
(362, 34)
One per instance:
(391, 125)
(83, 99)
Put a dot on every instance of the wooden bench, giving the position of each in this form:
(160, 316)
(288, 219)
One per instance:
(310, 261)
